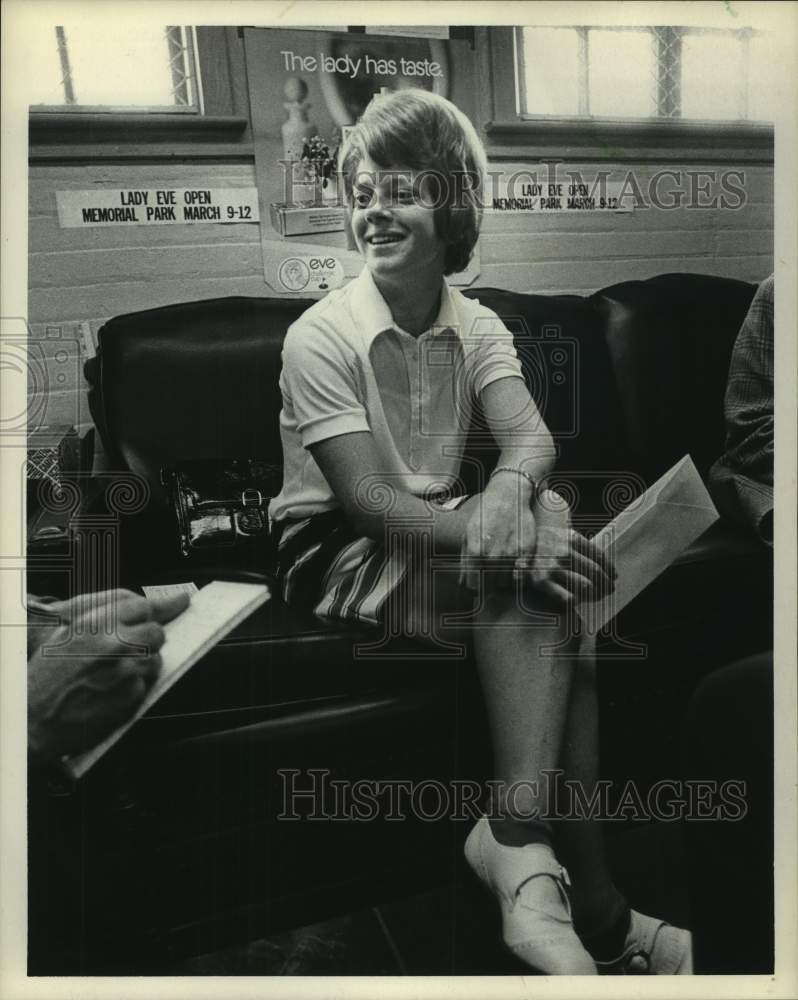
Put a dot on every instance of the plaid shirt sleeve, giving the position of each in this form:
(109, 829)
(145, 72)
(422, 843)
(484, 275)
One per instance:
(741, 481)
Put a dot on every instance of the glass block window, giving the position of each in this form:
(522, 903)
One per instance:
(705, 74)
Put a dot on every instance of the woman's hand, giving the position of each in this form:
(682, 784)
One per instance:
(537, 544)
(565, 565)
(501, 529)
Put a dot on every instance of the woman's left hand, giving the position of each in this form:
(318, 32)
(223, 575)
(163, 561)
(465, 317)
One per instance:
(566, 565)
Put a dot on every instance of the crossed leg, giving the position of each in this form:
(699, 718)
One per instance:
(542, 714)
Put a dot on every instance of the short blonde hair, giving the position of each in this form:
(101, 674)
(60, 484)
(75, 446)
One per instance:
(424, 132)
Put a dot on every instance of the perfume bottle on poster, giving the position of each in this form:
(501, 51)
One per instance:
(298, 127)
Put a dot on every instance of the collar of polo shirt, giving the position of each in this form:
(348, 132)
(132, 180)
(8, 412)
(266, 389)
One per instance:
(373, 316)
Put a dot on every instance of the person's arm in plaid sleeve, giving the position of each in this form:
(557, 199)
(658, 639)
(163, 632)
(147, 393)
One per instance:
(741, 481)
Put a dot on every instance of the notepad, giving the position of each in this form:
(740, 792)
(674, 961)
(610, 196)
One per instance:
(170, 589)
(215, 610)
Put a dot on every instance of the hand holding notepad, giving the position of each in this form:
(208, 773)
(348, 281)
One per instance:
(213, 612)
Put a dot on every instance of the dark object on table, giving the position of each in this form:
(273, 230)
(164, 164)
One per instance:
(221, 504)
(54, 450)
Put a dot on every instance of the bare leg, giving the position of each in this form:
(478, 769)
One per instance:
(526, 688)
(525, 684)
(524, 657)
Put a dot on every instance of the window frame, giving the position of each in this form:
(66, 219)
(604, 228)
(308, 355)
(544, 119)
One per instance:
(512, 135)
(113, 109)
(220, 129)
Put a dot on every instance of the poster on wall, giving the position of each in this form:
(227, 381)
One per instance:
(306, 89)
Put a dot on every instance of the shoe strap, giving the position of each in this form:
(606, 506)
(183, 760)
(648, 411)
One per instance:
(636, 949)
(624, 965)
(507, 869)
(561, 879)
(623, 962)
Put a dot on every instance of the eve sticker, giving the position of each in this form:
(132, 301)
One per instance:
(310, 274)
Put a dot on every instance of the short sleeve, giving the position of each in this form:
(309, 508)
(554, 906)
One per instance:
(319, 385)
(491, 353)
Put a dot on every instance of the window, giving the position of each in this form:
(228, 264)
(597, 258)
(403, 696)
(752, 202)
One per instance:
(88, 69)
(698, 74)
(103, 92)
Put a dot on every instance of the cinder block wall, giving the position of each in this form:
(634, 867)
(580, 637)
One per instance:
(583, 251)
(79, 278)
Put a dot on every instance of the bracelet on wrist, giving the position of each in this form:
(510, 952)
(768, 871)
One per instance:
(518, 472)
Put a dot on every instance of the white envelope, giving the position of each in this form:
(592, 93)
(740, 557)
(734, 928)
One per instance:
(649, 535)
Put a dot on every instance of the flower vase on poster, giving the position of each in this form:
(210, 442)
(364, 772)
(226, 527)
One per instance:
(320, 162)
(311, 204)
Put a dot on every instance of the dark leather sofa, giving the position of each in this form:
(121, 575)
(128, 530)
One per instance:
(181, 818)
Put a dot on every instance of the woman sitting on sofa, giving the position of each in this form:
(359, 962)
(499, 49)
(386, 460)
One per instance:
(379, 381)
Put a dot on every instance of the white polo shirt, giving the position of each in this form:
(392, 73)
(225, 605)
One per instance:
(348, 367)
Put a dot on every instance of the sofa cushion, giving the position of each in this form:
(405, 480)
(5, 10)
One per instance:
(191, 381)
(670, 339)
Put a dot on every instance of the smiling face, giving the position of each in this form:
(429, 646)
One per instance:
(393, 222)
